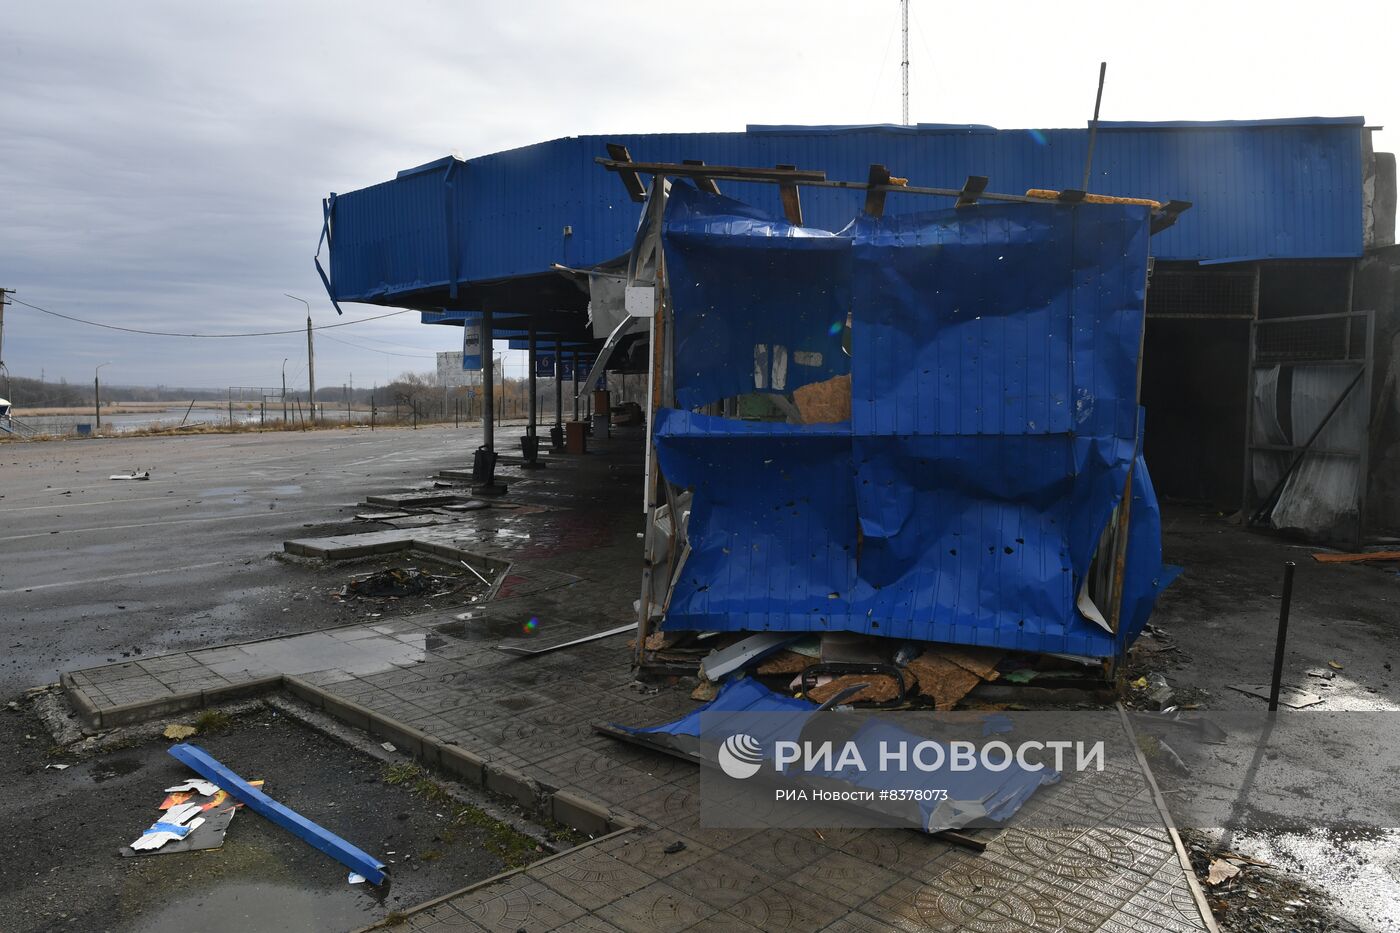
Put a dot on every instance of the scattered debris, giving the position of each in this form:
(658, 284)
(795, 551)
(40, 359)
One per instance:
(388, 746)
(477, 573)
(471, 505)
(1294, 697)
(356, 878)
(1220, 871)
(1356, 558)
(132, 475)
(880, 686)
(1334, 665)
(783, 662)
(179, 731)
(396, 582)
(941, 679)
(705, 690)
(203, 788)
(352, 857)
(57, 767)
(177, 823)
(1159, 692)
(674, 847)
(744, 652)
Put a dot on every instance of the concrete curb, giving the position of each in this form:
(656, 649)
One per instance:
(485, 882)
(562, 806)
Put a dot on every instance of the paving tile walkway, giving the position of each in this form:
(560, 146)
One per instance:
(573, 563)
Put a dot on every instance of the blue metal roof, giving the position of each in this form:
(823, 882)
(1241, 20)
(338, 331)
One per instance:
(1271, 189)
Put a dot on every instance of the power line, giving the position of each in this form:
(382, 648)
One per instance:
(162, 333)
(416, 356)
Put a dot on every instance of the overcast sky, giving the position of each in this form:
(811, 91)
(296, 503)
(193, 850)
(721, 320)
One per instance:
(162, 164)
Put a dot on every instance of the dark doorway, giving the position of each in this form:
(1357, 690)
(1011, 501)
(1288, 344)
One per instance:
(1193, 387)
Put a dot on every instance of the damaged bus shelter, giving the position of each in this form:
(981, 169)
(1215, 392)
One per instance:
(941, 435)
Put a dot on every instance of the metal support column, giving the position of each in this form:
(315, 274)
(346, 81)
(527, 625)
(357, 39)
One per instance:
(530, 443)
(530, 427)
(484, 463)
(556, 435)
(488, 386)
(575, 384)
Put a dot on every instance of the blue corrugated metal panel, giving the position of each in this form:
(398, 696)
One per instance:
(994, 364)
(1268, 189)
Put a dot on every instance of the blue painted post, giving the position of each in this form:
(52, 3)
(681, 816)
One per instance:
(328, 842)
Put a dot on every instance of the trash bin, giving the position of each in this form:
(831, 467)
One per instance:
(84, 429)
(529, 447)
(484, 466)
(601, 425)
(576, 437)
(556, 438)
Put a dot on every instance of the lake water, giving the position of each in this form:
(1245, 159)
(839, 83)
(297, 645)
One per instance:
(172, 417)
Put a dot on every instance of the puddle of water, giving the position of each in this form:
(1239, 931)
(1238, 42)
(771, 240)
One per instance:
(115, 768)
(237, 907)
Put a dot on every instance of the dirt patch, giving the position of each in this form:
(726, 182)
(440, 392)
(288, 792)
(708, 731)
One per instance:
(1258, 898)
(60, 831)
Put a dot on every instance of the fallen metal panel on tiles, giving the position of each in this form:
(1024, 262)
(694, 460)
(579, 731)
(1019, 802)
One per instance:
(525, 651)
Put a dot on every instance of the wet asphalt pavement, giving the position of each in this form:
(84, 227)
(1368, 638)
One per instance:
(95, 570)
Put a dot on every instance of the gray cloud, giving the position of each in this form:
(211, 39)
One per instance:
(162, 164)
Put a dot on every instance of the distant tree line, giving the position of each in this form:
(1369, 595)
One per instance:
(406, 390)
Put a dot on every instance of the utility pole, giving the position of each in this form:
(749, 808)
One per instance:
(4, 300)
(284, 391)
(97, 394)
(904, 16)
(310, 355)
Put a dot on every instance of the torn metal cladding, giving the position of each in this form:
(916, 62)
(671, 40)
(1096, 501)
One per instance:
(994, 427)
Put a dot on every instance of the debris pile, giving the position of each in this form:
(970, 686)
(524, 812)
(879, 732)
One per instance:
(1251, 896)
(397, 582)
(194, 816)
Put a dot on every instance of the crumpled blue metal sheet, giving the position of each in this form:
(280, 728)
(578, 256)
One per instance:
(763, 302)
(737, 697)
(994, 376)
(743, 705)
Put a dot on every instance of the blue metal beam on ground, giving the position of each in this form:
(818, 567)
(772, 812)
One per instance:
(207, 766)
